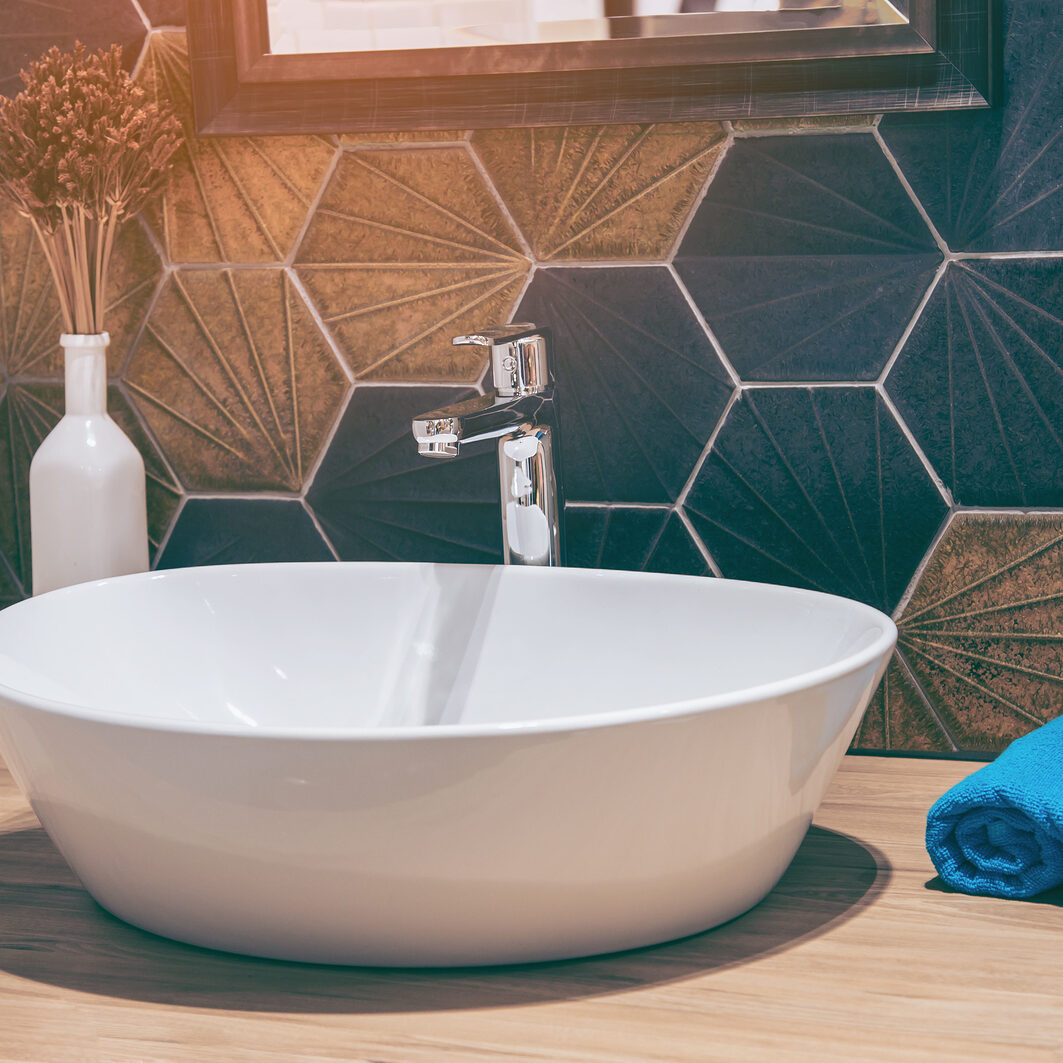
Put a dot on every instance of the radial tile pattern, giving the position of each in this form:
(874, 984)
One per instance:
(980, 382)
(28, 413)
(640, 392)
(30, 323)
(230, 199)
(378, 500)
(600, 192)
(236, 380)
(983, 632)
(993, 180)
(816, 487)
(230, 531)
(807, 258)
(30, 27)
(900, 717)
(406, 250)
(647, 540)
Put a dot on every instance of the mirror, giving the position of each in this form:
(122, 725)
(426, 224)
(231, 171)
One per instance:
(306, 26)
(279, 66)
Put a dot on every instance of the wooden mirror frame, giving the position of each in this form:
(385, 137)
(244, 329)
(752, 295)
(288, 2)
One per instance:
(946, 56)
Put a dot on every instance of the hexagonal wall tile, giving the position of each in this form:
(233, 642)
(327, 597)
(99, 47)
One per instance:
(29, 28)
(28, 413)
(990, 179)
(982, 636)
(816, 487)
(378, 500)
(601, 192)
(406, 249)
(229, 531)
(230, 199)
(807, 258)
(979, 382)
(641, 388)
(235, 379)
(646, 540)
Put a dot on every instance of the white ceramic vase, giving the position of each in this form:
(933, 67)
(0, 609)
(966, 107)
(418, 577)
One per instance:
(88, 509)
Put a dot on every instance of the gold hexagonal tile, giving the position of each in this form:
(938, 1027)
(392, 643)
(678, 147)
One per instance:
(406, 249)
(230, 199)
(28, 412)
(981, 640)
(601, 192)
(30, 324)
(236, 380)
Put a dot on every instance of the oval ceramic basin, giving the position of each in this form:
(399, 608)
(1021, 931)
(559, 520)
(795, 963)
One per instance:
(416, 764)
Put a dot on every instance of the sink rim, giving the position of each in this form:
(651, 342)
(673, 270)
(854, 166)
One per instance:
(880, 646)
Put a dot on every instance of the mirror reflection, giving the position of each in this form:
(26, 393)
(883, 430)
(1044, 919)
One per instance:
(299, 26)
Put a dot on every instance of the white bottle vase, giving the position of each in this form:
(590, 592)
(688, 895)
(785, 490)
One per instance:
(88, 510)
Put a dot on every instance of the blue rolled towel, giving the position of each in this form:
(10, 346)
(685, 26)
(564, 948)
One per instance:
(999, 832)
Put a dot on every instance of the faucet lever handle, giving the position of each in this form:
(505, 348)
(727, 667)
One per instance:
(519, 357)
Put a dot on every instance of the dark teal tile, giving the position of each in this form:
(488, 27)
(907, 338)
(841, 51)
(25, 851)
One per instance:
(649, 540)
(228, 531)
(816, 487)
(379, 500)
(980, 382)
(640, 387)
(807, 258)
(992, 180)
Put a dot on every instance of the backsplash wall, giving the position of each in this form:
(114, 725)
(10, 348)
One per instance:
(815, 353)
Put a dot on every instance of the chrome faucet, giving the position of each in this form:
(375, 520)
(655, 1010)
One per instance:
(521, 413)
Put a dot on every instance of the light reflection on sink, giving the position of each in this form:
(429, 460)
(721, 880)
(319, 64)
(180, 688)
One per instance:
(415, 764)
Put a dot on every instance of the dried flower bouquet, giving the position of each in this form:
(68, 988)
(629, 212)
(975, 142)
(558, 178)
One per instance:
(81, 149)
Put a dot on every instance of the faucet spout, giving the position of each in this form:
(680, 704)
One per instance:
(521, 414)
(441, 433)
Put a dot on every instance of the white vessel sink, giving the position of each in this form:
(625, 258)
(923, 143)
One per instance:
(415, 764)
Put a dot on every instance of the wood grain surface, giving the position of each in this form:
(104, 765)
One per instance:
(858, 955)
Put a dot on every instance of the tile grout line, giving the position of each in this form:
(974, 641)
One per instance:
(809, 131)
(775, 385)
(145, 45)
(684, 491)
(135, 4)
(329, 545)
(927, 700)
(485, 176)
(312, 206)
(699, 544)
(326, 443)
(330, 341)
(736, 380)
(655, 506)
(917, 575)
(943, 489)
(695, 206)
(910, 327)
(1003, 256)
(896, 166)
(164, 542)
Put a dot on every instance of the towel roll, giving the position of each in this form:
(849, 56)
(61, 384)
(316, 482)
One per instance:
(999, 832)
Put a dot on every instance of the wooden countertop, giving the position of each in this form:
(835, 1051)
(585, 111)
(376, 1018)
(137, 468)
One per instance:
(858, 955)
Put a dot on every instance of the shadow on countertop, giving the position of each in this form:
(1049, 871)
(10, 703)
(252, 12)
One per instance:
(52, 932)
(1051, 897)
